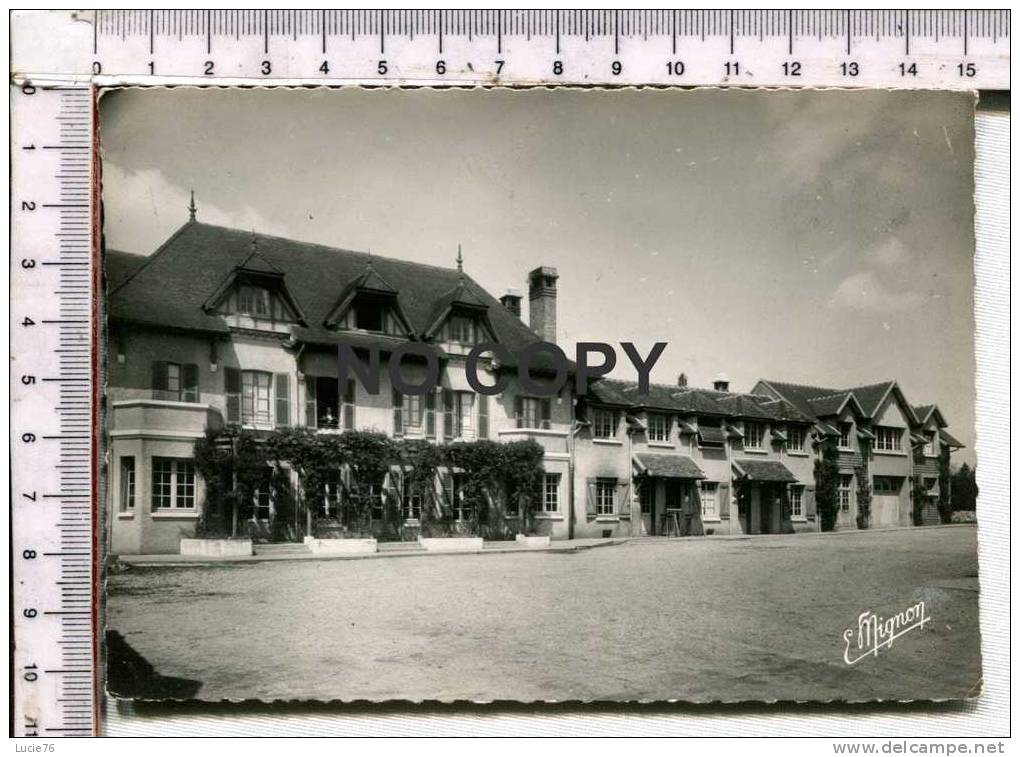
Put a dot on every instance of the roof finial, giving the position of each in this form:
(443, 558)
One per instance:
(192, 210)
(254, 241)
(460, 259)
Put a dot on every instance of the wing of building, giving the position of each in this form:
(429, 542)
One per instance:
(221, 328)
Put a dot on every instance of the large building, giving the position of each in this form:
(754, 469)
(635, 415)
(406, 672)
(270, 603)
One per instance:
(220, 327)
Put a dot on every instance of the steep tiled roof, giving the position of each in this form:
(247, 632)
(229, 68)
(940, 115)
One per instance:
(119, 265)
(949, 440)
(871, 396)
(922, 412)
(764, 470)
(830, 404)
(745, 406)
(669, 466)
(175, 281)
(820, 401)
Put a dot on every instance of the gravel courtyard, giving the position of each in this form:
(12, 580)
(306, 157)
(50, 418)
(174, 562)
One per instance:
(700, 620)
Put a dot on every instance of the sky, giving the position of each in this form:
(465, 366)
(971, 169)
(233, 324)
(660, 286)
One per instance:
(819, 237)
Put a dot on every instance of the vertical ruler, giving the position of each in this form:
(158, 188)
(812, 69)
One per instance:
(52, 382)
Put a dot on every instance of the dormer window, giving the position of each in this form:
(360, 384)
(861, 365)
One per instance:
(461, 330)
(369, 315)
(255, 301)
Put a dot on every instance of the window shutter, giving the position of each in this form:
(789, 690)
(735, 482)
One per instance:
(590, 510)
(398, 413)
(519, 411)
(189, 382)
(483, 416)
(446, 481)
(448, 408)
(809, 505)
(282, 384)
(311, 414)
(232, 388)
(623, 497)
(722, 500)
(349, 405)
(159, 380)
(430, 414)
(546, 412)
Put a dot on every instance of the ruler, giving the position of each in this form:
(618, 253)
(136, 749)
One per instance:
(952, 49)
(59, 56)
(52, 483)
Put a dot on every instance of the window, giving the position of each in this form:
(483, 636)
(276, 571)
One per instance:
(605, 496)
(754, 435)
(175, 382)
(460, 329)
(797, 501)
(604, 424)
(929, 444)
(931, 486)
(413, 413)
(887, 438)
(458, 414)
(369, 315)
(658, 427)
(127, 484)
(331, 492)
(550, 493)
(173, 484)
(795, 439)
(845, 482)
(256, 398)
(376, 499)
(646, 496)
(709, 506)
(263, 504)
(534, 412)
(844, 435)
(462, 509)
(255, 301)
(886, 485)
(411, 502)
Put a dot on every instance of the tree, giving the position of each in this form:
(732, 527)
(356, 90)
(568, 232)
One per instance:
(863, 496)
(827, 486)
(964, 489)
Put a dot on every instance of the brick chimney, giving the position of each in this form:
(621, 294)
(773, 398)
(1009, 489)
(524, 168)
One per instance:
(542, 302)
(512, 301)
(721, 383)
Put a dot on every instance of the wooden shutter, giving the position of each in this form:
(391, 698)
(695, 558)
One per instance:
(349, 395)
(808, 504)
(546, 404)
(448, 411)
(430, 414)
(189, 382)
(590, 510)
(398, 413)
(282, 389)
(519, 411)
(722, 500)
(483, 416)
(232, 388)
(623, 499)
(311, 413)
(159, 385)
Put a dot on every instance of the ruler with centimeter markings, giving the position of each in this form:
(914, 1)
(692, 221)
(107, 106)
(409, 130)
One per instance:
(57, 58)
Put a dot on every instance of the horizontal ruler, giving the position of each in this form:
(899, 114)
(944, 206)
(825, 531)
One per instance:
(950, 49)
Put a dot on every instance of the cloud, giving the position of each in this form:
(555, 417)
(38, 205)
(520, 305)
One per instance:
(135, 203)
(864, 292)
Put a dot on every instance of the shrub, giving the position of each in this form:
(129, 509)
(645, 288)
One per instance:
(827, 486)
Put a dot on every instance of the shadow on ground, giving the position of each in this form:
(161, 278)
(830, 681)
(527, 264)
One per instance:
(131, 676)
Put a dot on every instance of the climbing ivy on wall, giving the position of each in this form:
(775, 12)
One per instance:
(827, 486)
(235, 462)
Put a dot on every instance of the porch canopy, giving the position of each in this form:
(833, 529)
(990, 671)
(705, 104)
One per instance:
(769, 471)
(667, 466)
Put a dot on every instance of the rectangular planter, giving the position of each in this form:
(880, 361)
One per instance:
(342, 546)
(532, 542)
(451, 543)
(216, 547)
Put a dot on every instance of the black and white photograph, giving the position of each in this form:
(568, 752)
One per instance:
(539, 395)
